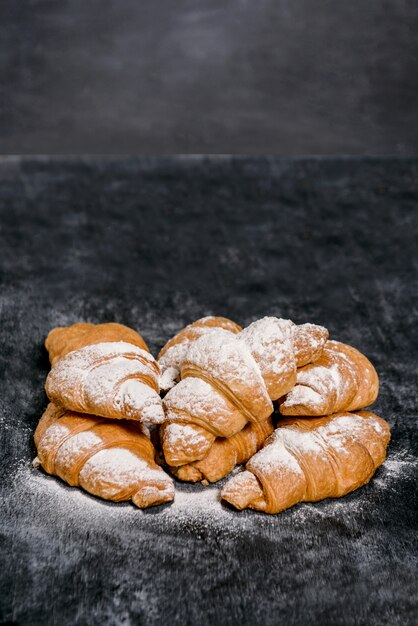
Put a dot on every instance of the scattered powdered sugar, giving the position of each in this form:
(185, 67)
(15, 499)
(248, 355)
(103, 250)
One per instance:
(336, 376)
(252, 440)
(335, 433)
(376, 425)
(193, 503)
(174, 356)
(196, 508)
(193, 395)
(350, 422)
(203, 501)
(396, 468)
(342, 380)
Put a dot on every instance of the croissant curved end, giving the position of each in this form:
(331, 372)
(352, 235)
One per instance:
(188, 473)
(169, 377)
(242, 490)
(140, 402)
(309, 342)
(183, 443)
(152, 495)
(302, 400)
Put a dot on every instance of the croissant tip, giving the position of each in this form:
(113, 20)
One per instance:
(153, 495)
(302, 400)
(151, 414)
(169, 378)
(156, 420)
(241, 489)
(238, 502)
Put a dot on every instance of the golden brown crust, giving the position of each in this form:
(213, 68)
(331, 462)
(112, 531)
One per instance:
(226, 453)
(307, 460)
(228, 380)
(194, 330)
(172, 355)
(76, 448)
(341, 379)
(65, 339)
(104, 369)
(308, 343)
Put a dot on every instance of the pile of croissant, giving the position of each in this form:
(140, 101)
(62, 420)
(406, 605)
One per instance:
(279, 398)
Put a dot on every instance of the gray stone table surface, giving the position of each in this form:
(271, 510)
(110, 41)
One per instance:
(218, 76)
(156, 244)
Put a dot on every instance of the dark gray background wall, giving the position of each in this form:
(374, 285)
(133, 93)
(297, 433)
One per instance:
(159, 76)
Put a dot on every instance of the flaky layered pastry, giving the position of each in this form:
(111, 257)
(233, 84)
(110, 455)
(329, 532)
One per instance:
(228, 380)
(341, 379)
(104, 370)
(310, 459)
(110, 459)
(173, 353)
(226, 453)
(65, 339)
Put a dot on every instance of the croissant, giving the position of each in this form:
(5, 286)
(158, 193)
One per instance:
(342, 379)
(306, 460)
(231, 379)
(173, 353)
(226, 453)
(65, 339)
(110, 459)
(104, 370)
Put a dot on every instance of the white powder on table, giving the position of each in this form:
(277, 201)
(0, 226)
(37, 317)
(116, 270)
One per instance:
(195, 507)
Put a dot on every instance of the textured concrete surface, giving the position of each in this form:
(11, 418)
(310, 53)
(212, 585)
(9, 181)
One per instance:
(218, 76)
(156, 244)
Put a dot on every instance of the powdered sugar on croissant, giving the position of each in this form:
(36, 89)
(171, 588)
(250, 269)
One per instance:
(226, 362)
(228, 380)
(311, 459)
(195, 415)
(226, 453)
(64, 339)
(174, 352)
(110, 379)
(341, 379)
(110, 459)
